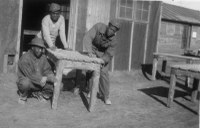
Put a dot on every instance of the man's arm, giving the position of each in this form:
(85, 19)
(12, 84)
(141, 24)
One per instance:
(46, 33)
(88, 38)
(24, 67)
(47, 71)
(46, 67)
(109, 53)
(62, 33)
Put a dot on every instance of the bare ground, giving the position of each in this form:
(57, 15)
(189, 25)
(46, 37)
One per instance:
(137, 103)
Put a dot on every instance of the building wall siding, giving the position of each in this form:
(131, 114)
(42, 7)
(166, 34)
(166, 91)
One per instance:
(139, 34)
(173, 38)
(121, 59)
(155, 16)
(81, 23)
(9, 16)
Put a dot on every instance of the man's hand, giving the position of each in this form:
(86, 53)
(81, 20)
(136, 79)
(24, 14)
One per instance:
(51, 78)
(53, 48)
(43, 81)
(91, 55)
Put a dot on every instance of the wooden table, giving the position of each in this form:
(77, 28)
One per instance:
(69, 60)
(164, 57)
(188, 70)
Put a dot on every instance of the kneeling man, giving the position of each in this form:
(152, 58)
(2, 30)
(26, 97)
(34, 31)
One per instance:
(35, 76)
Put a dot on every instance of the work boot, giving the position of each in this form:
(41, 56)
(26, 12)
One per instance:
(76, 91)
(47, 94)
(22, 100)
(88, 95)
(108, 102)
(39, 97)
(100, 96)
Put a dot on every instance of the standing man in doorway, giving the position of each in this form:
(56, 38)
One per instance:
(100, 42)
(53, 25)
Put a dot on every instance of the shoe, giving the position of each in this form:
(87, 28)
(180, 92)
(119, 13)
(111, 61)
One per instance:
(47, 94)
(42, 100)
(88, 95)
(100, 96)
(108, 102)
(22, 100)
(76, 91)
(39, 96)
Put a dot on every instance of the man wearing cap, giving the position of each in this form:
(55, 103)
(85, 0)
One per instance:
(35, 77)
(100, 42)
(53, 25)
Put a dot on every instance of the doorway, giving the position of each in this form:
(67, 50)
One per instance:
(32, 14)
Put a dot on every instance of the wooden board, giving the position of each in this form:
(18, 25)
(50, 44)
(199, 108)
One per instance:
(74, 56)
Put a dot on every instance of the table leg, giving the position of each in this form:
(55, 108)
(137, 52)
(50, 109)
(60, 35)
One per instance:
(199, 105)
(188, 79)
(164, 66)
(195, 90)
(56, 93)
(155, 64)
(171, 89)
(94, 88)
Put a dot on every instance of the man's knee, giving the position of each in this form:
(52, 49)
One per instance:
(24, 84)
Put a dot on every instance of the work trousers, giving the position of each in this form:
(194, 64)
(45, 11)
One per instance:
(104, 82)
(26, 87)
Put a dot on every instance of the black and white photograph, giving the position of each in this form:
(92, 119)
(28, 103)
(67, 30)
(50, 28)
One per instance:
(99, 63)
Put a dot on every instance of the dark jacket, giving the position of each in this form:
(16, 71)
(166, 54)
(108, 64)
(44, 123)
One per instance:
(33, 68)
(96, 42)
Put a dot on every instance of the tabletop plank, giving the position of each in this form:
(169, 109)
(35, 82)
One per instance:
(74, 56)
(175, 56)
(189, 67)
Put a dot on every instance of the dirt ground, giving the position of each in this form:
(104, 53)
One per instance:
(137, 102)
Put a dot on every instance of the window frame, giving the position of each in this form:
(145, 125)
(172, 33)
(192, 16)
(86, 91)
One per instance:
(133, 11)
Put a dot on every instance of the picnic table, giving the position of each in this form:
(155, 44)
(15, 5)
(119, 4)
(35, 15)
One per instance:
(165, 56)
(188, 70)
(66, 60)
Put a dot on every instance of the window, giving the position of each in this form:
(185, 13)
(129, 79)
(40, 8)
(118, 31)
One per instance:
(133, 10)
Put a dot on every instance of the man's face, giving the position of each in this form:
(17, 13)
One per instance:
(111, 30)
(55, 16)
(37, 51)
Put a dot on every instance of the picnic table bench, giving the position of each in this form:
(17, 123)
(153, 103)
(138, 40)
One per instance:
(188, 70)
(69, 60)
(165, 56)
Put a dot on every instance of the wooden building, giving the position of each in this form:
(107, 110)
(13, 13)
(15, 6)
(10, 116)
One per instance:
(180, 29)
(20, 20)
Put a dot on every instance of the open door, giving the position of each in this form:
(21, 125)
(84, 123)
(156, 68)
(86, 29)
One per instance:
(32, 14)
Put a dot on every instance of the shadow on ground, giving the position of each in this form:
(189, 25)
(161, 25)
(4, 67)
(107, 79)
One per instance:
(161, 91)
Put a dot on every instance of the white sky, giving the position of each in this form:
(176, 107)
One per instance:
(192, 4)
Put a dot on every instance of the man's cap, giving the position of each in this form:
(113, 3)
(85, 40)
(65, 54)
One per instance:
(54, 7)
(37, 42)
(115, 23)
